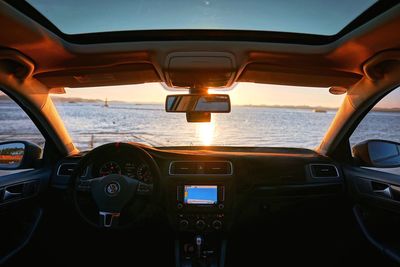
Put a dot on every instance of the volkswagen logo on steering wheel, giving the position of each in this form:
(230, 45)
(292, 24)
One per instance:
(112, 188)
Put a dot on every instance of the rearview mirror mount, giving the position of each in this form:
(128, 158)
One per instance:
(198, 116)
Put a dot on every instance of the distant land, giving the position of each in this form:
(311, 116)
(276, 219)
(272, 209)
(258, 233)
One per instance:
(69, 100)
(75, 100)
(317, 107)
(83, 100)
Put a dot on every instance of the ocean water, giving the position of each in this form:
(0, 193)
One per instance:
(91, 124)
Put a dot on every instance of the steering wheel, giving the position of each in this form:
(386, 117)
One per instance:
(105, 201)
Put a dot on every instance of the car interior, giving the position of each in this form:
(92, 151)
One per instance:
(124, 201)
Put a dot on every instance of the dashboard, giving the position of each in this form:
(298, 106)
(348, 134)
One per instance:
(206, 190)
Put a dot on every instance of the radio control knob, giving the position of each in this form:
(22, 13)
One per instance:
(200, 224)
(221, 206)
(217, 224)
(183, 224)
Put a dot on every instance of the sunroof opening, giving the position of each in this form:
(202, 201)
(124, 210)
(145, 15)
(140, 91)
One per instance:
(320, 17)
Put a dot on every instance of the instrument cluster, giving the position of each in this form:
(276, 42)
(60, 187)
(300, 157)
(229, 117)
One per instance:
(135, 169)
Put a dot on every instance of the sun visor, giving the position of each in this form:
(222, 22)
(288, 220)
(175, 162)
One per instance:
(272, 74)
(133, 73)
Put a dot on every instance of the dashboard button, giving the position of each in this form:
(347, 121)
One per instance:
(217, 224)
(200, 224)
(183, 224)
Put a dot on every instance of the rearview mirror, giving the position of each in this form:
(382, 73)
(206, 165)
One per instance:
(18, 155)
(190, 103)
(378, 153)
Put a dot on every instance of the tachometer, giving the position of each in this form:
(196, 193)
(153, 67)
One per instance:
(144, 174)
(110, 168)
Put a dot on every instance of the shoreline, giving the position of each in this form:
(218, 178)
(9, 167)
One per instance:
(68, 100)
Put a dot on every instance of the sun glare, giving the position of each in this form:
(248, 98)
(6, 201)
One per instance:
(205, 132)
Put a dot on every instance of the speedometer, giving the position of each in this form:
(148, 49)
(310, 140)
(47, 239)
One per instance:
(110, 168)
(144, 173)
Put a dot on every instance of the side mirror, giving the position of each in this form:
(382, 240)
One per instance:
(378, 153)
(16, 155)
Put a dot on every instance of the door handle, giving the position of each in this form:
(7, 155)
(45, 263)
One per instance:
(384, 192)
(10, 195)
(13, 191)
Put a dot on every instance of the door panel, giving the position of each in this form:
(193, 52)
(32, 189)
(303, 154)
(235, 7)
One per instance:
(22, 186)
(20, 209)
(376, 208)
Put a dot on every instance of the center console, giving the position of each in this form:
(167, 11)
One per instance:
(200, 207)
(200, 210)
(201, 219)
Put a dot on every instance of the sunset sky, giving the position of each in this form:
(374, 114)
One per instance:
(242, 94)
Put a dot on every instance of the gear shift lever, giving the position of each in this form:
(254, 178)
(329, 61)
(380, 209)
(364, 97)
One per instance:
(199, 244)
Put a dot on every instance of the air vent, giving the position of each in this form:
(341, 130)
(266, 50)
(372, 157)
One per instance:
(200, 168)
(181, 167)
(66, 169)
(218, 167)
(324, 171)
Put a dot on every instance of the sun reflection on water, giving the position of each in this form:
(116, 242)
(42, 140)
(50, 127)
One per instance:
(205, 132)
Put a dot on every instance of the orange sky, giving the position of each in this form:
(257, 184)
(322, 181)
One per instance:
(242, 94)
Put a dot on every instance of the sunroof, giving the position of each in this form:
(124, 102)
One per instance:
(321, 17)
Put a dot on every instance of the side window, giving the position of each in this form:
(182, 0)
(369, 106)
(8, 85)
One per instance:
(15, 125)
(382, 122)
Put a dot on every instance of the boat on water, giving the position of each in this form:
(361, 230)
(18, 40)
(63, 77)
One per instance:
(319, 110)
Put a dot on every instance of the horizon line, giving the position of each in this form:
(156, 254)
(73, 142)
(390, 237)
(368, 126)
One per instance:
(78, 99)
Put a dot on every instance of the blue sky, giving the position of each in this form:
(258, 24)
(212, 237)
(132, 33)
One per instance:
(326, 17)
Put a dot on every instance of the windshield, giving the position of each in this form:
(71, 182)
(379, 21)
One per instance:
(262, 115)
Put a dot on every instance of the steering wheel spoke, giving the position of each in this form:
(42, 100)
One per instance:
(108, 219)
(85, 185)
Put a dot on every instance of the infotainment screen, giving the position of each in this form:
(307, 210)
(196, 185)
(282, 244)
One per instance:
(201, 194)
